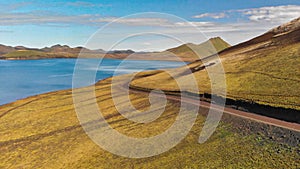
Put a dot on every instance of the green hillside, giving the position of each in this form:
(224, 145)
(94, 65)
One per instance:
(264, 70)
(192, 51)
(25, 54)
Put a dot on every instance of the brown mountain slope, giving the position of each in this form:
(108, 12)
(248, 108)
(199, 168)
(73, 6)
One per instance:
(282, 35)
(8, 49)
(5, 49)
(55, 51)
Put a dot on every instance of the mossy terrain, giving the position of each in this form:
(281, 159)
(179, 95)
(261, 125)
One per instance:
(43, 132)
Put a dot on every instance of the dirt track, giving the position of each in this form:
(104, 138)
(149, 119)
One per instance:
(242, 114)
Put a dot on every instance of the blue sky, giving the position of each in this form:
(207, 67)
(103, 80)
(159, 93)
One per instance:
(77, 23)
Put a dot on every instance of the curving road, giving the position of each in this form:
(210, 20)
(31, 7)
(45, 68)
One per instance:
(242, 114)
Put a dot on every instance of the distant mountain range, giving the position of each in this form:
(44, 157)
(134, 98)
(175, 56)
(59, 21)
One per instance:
(183, 52)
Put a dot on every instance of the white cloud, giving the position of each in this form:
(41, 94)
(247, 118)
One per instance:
(273, 13)
(233, 32)
(147, 43)
(258, 21)
(86, 4)
(211, 15)
(11, 7)
(39, 18)
(200, 24)
(224, 27)
(135, 21)
(45, 18)
(6, 31)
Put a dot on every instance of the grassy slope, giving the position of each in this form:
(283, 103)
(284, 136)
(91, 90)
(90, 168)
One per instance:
(24, 53)
(265, 72)
(193, 52)
(219, 44)
(50, 137)
(33, 54)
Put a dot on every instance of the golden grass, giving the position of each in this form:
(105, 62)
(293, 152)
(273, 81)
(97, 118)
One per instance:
(43, 132)
(25, 53)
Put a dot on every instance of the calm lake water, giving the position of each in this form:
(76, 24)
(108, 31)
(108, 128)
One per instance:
(23, 78)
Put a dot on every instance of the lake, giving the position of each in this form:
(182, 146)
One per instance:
(23, 78)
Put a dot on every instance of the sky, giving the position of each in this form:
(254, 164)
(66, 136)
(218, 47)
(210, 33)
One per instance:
(149, 25)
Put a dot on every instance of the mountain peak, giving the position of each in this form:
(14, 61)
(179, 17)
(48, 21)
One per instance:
(219, 43)
(216, 38)
(59, 46)
(204, 49)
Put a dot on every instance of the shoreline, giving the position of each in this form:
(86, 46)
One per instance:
(16, 59)
(74, 59)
